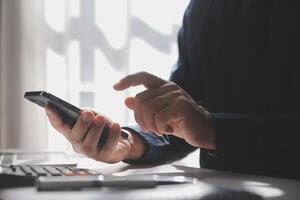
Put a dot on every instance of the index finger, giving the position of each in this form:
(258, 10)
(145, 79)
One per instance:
(140, 78)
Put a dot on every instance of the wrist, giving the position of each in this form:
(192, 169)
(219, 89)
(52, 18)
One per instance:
(137, 146)
(210, 132)
(203, 128)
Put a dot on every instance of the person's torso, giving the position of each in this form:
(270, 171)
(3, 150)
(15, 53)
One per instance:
(240, 49)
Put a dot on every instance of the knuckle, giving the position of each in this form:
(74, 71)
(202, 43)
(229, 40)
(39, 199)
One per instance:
(143, 96)
(171, 85)
(142, 73)
(181, 102)
(90, 111)
(176, 93)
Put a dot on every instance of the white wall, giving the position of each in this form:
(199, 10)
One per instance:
(22, 124)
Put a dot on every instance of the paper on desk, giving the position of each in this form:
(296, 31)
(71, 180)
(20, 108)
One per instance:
(149, 170)
(122, 169)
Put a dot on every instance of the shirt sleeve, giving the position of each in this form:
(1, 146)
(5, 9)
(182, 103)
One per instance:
(160, 149)
(264, 140)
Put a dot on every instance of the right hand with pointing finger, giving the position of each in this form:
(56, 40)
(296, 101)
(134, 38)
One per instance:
(165, 108)
(86, 133)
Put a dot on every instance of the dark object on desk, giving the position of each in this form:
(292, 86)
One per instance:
(26, 175)
(68, 112)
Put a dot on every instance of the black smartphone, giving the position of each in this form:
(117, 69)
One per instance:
(68, 112)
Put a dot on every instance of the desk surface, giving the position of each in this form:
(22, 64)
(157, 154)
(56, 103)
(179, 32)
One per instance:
(269, 188)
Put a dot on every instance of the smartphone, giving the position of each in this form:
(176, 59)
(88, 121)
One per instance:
(68, 112)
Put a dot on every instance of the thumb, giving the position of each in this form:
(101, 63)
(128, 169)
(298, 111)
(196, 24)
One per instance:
(129, 102)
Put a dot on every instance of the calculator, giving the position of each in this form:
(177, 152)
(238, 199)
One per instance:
(26, 175)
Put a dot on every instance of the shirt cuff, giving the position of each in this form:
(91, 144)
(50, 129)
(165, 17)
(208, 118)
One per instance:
(153, 153)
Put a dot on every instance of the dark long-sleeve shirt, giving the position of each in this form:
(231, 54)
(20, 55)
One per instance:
(235, 59)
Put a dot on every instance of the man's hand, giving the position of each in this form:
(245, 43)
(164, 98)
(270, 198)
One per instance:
(166, 108)
(85, 135)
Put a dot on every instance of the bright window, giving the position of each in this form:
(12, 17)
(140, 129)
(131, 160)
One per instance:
(92, 44)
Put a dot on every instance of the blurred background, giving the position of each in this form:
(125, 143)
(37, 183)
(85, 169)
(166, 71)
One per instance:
(77, 49)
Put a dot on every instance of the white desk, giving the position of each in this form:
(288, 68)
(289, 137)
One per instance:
(269, 188)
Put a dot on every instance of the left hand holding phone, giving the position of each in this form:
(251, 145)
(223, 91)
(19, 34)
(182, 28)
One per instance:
(86, 132)
(90, 133)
